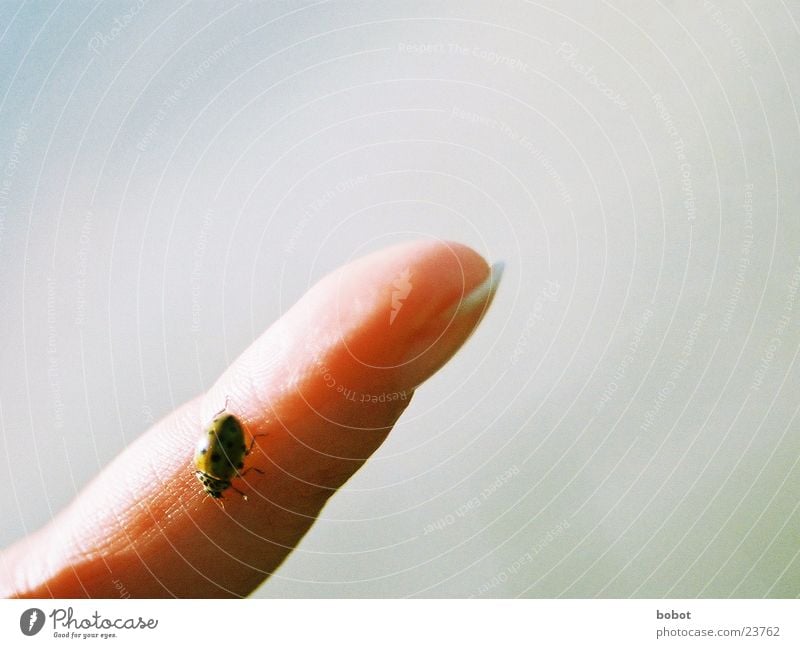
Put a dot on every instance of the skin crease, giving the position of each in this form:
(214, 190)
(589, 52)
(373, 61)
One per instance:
(145, 522)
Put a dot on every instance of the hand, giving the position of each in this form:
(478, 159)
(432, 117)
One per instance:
(324, 385)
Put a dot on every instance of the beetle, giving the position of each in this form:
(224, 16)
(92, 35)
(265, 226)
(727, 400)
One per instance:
(221, 453)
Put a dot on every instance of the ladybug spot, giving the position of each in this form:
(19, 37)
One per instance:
(203, 450)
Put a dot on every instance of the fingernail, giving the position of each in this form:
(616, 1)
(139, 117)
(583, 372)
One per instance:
(481, 296)
(437, 339)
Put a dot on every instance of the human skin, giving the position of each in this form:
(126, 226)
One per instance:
(319, 390)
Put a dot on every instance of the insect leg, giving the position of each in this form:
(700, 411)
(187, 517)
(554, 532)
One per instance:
(258, 470)
(253, 441)
(244, 497)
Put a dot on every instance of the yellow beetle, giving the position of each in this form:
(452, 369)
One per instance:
(220, 454)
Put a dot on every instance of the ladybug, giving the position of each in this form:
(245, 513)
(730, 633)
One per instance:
(221, 453)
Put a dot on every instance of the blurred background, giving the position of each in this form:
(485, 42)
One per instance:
(173, 176)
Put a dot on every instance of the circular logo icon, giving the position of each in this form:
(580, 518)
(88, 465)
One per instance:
(31, 621)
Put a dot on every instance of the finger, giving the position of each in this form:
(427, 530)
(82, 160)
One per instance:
(319, 390)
